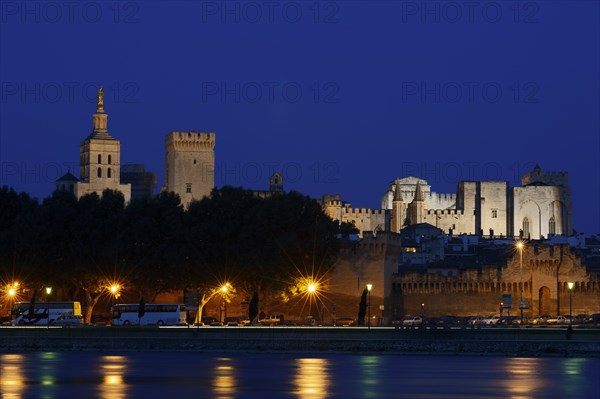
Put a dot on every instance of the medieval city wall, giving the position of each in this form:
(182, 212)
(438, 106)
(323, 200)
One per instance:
(544, 276)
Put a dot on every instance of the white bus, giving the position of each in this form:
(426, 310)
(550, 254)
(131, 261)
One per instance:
(23, 314)
(160, 314)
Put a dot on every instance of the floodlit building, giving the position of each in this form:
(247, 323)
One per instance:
(190, 165)
(99, 160)
(539, 208)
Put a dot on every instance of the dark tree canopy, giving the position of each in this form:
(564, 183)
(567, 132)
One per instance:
(153, 245)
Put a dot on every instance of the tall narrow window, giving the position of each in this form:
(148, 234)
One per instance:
(188, 187)
(99, 172)
(552, 226)
(494, 213)
(108, 174)
(526, 228)
(109, 160)
(99, 158)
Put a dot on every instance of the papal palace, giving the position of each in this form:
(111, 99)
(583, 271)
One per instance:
(425, 253)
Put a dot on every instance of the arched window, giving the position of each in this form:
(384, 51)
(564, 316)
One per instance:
(108, 172)
(99, 158)
(552, 226)
(109, 160)
(99, 171)
(526, 228)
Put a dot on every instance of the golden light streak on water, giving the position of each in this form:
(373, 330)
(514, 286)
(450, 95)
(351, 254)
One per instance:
(522, 380)
(113, 384)
(225, 384)
(312, 379)
(12, 384)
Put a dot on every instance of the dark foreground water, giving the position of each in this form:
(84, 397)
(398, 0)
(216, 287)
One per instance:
(265, 375)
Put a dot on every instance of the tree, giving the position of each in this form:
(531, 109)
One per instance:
(362, 308)
(141, 310)
(153, 238)
(253, 307)
(96, 246)
(18, 222)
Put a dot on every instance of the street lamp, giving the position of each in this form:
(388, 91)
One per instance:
(223, 308)
(48, 292)
(570, 285)
(520, 247)
(114, 290)
(369, 288)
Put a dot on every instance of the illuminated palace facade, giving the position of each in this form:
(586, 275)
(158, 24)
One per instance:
(539, 208)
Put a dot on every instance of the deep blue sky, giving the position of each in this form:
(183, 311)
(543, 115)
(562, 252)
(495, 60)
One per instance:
(475, 90)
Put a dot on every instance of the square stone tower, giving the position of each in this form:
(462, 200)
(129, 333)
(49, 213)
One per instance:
(100, 158)
(190, 164)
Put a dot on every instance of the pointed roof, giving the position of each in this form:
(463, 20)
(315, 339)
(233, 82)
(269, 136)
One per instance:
(418, 193)
(397, 192)
(100, 119)
(68, 177)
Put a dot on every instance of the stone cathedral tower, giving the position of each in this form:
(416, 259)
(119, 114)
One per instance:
(190, 165)
(100, 158)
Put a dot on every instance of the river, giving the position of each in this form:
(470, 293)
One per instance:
(176, 375)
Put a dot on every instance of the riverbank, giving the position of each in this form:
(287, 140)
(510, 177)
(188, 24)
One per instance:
(508, 342)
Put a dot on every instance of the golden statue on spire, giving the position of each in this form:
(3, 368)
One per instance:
(100, 107)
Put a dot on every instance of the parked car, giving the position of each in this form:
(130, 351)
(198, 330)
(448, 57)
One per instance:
(344, 321)
(557, 320)
(474, 321)
(272, 320)
(68, 320)
(582, 319)
(538, 320)
(492, 320)
(412, 321)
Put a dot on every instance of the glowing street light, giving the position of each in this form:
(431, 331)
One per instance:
(369, 288)
(48, 292)
(311, 288)
(520, 246)
(115, 290)
(570, 285)
(223, 309)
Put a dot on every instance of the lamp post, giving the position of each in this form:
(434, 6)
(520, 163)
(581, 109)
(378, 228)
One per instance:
(369, 288)
(223, 309)
(520, 247)
(570, 285)
(48, 292)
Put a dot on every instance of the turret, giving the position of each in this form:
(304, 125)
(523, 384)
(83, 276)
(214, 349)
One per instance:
(398, 213)
(416, 209)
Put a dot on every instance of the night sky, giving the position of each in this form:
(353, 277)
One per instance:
(341, 97)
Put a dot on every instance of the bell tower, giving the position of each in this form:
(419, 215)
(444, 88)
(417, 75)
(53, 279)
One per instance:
(100, 158)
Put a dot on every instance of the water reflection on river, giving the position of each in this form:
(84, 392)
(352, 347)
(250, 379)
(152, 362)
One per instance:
(262, 375)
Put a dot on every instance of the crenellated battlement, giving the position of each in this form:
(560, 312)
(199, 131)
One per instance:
(363, 211)
(552, 178)
(190, 140)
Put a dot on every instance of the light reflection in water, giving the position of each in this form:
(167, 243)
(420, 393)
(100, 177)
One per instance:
(113, 384)
(522, 377)
(11, 377)
(312, 378)
(369, 365)
(224, 384)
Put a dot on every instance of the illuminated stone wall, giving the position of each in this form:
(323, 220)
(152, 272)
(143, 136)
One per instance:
(545, 273)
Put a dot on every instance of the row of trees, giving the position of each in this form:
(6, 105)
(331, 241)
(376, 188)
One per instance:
(153, 245)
